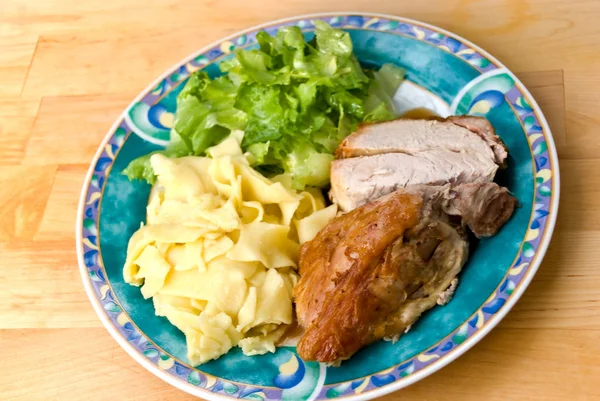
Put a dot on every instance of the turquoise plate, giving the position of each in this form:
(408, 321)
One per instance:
(445, 73)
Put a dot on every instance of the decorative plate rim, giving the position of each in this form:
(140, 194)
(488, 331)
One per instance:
(401, 382)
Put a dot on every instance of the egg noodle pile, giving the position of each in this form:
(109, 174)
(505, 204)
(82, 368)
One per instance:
(219, 251)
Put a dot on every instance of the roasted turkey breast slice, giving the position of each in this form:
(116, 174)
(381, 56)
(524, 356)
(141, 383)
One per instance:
(456, 134)
(371, 273)
(356, 181)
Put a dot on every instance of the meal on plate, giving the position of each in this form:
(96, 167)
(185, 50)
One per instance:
(240, 243)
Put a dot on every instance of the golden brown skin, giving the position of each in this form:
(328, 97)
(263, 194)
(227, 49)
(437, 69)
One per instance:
(372, 272)
(340, 268)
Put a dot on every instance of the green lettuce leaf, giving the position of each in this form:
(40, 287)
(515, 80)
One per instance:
(141, 169)
(265, 112)
(205, 112)
(332, 41)
(307, 167)
(295, 100)
(378, 103)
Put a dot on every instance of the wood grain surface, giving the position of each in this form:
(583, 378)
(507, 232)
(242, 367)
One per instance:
(69, 67)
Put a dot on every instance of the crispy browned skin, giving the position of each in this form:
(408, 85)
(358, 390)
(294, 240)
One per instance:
(372, 272)
(347, 246)
(338, 268)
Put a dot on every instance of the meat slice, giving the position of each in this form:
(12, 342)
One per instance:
(483, 128)
(415, 136)
(483, 208)
(371, 273)
(358, 180)
(380, 158)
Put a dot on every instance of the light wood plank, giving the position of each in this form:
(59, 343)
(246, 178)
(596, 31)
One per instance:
(18, 106)
(16, 121)
(23, 195)
(582, 115)
(40, 286)
(79, 122)
(17, 47)
(59, 218)
(76, 364)
(108, 67)
(517, 365)
(580, 189)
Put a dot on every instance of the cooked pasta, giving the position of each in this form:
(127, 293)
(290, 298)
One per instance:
(219, 251)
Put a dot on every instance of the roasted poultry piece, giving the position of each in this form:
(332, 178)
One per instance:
(372, 272)
(380, 158)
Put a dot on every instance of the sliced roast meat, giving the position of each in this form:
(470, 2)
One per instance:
(415, 136)
(380, 158)
(356, 181)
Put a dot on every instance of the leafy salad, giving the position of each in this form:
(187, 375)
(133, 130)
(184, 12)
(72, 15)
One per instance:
(295, 101)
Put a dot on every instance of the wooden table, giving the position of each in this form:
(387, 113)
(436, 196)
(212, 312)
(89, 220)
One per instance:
(69, 67)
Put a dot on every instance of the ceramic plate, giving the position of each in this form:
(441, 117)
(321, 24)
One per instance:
(445, 73)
